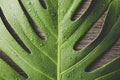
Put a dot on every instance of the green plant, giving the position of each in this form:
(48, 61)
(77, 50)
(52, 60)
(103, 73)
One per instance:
(51, 56)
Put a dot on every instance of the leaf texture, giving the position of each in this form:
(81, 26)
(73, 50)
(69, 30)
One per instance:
(38, 38)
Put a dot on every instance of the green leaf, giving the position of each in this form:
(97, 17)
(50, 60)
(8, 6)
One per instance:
(38, 38)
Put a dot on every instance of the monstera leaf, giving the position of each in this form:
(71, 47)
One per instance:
(37, 40)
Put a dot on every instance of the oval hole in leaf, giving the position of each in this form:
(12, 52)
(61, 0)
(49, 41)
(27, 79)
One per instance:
(32, 23)
(91, 34)
(108, 56)
(81, 9)
(13, 33)
(42, 2)
(12, 64)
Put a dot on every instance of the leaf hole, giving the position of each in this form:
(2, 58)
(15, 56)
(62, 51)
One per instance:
(12, 32)
(107, 57)
(13, 65)
(32, 23)
(42, 2)
(91, 34)
(81, 9)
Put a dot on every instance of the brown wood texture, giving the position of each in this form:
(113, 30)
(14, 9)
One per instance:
(110, 54)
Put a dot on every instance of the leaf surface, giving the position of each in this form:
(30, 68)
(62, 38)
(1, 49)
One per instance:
(38, 38)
